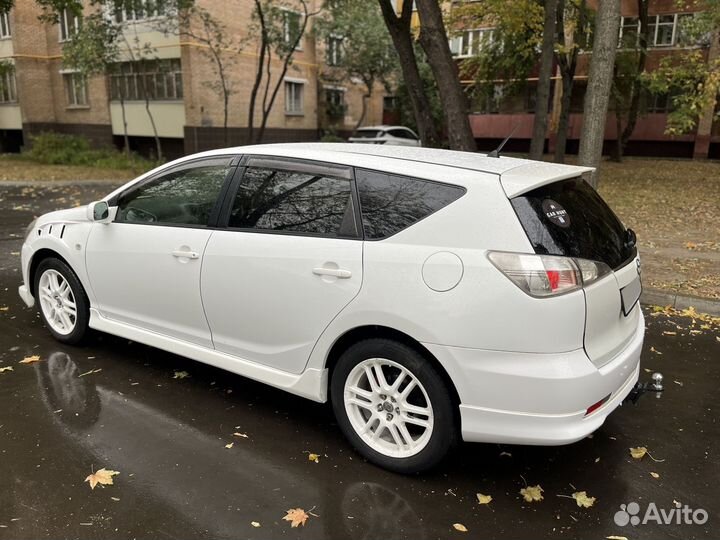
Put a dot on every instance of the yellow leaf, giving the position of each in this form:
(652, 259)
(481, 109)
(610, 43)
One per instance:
(243, 435)
(532, 493)
(654, 475)
(6, 368)
(639, 452)
(30, 359)
(255, 524)
(653, 349)
(4, 308)
(484, 499)
(229, 445)
(102, 476)
(296, 517)
(460, 527)
(582, 499)
(616, 537)
(314, 457)
(181, 375)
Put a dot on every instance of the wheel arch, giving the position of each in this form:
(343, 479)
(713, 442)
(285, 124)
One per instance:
(360, 333)
(39, 256)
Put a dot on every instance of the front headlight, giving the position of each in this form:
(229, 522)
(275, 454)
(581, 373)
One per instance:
(30, 228)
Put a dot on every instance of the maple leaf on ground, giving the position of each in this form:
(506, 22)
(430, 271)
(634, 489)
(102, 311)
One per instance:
(582, 499)
(102, 476)
(296, 517)
(181, 375)
(314, 457)
(532, 493)
(460, 527)
(30, 359)
(484, 499)
(639, 452)
(6, 368)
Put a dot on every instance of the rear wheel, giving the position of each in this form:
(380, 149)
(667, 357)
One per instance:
(393, 405)
(63, 303)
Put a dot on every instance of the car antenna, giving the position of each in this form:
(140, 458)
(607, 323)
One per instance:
(496, 152)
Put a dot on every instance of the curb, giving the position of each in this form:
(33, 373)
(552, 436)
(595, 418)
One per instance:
(659, 297)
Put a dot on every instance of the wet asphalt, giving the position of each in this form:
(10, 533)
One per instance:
(114, 404)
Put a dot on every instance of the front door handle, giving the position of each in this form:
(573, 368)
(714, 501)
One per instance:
(335, 272)
(179, 253)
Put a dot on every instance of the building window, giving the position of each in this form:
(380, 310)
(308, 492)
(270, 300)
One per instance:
(390, 103)
(291, 28)
(334, 51)
(335, 102)
(159, 80)
(5, 25)
(629, 32)
(76, 89)
(139, 10)
(470, 42)
(294, 97)
(69, 24)
(8, 88)
(666, 30)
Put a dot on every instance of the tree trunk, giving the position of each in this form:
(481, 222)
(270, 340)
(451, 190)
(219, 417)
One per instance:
(434, 41)
(126, 139)
(399, 29)
(537, 144)
(158, 145)
(258, 72)
(599, 85)
(564, 119)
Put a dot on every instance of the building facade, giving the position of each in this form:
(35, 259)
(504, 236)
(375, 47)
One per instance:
(493, 118)
(174, 71)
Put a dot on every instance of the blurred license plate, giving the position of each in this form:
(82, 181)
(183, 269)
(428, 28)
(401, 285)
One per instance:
(630, 295)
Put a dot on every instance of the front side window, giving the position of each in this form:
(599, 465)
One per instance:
(185, 196)
(294, 201)
(69, 24)
(76, 89)
(390, 203)
(294, 98)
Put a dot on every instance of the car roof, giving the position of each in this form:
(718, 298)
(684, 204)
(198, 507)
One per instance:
(516, 174)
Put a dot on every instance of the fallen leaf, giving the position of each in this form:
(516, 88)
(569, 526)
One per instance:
(460, 527)
(582, 499)
(506, 454)
(616, 537)
(243, 435)
(6, 368)
(229, 445)
(30, 359)
(4, 308)
(102, 476)
(296, 517)
(255, 524)
(484, 499)
(654, 475)
(181, 375)
(653, 349)
(115, 499)
(532, 493)
(678, 383)
(639, 452)
(314, 457)
(669, 333)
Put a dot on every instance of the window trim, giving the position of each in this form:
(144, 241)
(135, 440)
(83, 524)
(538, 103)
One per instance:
(303, 84)
(235, 159)
(5, 22)
(291, 164)
(65, 17)
(70, 75)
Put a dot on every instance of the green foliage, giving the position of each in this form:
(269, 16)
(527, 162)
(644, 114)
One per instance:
(60, 149)
(94, 48)
(331, 137)
(407, 116)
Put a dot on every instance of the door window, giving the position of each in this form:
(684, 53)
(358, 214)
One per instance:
(294, 201)
(390, 203)
(183, 196)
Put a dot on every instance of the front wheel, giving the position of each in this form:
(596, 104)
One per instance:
(393, 405)
(64, 306)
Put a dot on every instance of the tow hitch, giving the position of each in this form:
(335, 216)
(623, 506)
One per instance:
(655, 385)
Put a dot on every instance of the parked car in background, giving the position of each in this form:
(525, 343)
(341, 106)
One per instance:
(428, 294)
(391, 135)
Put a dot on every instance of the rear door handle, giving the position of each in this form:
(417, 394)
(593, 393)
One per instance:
(335, 272)
(186, 254)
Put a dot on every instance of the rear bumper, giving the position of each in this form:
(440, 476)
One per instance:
(523, 398)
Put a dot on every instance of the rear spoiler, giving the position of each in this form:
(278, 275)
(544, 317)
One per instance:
(534, 174)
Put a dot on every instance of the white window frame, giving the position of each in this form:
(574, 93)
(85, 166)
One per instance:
(290, 99)
(333, 56)
(286, 27)
(124, 19)
(638, 30)
(5, 30)
(9, 87)
(72, 98)
(65, 30)
(463, 44)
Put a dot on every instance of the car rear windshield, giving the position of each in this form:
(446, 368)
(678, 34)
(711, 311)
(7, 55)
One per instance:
(569, 218)
(367, 134)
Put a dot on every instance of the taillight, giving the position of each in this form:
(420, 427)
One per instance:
(547, 275)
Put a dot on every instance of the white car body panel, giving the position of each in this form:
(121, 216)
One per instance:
(525, 369)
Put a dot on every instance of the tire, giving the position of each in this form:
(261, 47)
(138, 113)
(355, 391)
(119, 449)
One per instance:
(57, 288)
(420, 401)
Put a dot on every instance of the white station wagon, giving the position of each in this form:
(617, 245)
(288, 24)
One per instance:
(428, 294)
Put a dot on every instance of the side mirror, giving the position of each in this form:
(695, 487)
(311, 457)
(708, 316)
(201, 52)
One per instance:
(99, 211)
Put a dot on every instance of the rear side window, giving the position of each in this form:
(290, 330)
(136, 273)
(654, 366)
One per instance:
(293, 201)
(569, 218)
(391, 203)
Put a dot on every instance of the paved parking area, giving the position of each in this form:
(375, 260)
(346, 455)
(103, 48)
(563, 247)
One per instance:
(116, 405)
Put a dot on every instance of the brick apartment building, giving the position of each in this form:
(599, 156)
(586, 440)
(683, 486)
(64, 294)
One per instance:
(493, 119)
(38, 93)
